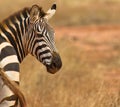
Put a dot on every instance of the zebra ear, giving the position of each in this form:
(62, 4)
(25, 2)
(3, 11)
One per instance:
(34, 13)
(50, 12)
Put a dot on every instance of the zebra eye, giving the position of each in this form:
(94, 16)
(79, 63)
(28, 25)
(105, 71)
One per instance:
(39, 35)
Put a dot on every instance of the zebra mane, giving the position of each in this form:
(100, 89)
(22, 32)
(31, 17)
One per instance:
(25, 12)
(17, 14)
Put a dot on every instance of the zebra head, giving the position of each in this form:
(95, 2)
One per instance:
(41, 42)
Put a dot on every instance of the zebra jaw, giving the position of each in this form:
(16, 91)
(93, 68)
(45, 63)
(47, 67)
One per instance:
(55, 65)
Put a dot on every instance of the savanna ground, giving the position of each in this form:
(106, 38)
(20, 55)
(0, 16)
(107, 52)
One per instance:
(88, 40)
(90, 76)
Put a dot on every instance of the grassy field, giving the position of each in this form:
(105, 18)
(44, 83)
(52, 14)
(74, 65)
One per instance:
(89, 77)
(88, 40)
(90, 74)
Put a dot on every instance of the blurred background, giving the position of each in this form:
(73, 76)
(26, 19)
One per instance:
(88, 40)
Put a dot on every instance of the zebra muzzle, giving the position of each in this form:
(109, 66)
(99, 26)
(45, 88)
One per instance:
(55, 65)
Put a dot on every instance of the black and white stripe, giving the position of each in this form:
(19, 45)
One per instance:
(26, 31)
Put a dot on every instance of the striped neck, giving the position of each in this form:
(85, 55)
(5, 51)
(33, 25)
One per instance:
(14, 29)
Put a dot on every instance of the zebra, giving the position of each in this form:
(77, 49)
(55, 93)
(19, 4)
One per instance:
(25, 32)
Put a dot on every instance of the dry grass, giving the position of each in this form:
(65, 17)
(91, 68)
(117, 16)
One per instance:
(84, 80)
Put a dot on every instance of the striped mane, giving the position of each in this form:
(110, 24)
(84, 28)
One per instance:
(25, 12)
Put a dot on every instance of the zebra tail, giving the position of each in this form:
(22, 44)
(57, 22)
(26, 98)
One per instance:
(14, 88)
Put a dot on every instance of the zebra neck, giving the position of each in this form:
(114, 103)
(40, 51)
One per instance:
(13, 29)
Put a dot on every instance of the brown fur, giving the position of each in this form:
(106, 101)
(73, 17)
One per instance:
(14, 88)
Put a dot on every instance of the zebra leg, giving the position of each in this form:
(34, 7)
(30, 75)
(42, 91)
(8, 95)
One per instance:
(10, 64)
